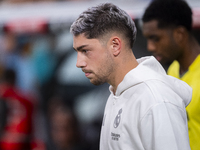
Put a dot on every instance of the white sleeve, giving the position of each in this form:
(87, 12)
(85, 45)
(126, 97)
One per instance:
(164, 127)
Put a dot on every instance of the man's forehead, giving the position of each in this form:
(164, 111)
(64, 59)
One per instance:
(78, 39)
(150, 25)
(151, 28)
(81, 41)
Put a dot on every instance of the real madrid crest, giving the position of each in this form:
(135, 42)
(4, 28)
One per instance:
(117, 119)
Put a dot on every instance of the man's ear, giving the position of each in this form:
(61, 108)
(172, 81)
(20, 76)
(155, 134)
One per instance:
(116, 45)
(179, 34)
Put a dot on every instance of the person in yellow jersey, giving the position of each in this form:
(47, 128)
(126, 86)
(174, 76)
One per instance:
(167, 26)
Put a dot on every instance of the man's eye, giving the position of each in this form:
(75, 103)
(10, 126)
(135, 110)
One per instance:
(84, 51)
(154, 38)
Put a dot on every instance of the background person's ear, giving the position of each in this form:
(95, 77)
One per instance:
(180, 34)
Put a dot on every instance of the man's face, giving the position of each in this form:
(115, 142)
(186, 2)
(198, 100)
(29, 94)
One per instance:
(94, 58)
(160, 42)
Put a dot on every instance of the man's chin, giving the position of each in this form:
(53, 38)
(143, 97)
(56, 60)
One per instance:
(95, 82)
(159, 58)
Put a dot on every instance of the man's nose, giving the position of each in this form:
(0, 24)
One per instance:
(80, 63)
(151, 46)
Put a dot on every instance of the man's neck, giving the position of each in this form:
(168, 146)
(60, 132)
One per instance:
(122, 69)
(192, 50)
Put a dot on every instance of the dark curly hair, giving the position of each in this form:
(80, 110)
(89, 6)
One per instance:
(169, 13)
(105, 18)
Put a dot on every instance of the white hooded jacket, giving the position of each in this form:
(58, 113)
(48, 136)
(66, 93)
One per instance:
(147, 111)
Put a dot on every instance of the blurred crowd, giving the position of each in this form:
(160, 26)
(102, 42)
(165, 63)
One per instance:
(36, 112)
(45, 103)
(26, 1)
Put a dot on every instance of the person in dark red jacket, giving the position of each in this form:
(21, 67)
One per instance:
(17, 132)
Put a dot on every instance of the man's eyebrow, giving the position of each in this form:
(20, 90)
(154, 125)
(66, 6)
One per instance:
(80, 47)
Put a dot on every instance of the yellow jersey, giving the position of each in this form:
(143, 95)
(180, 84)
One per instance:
(192, 78)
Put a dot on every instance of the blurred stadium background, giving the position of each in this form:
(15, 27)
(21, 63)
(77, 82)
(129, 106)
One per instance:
(36, 43)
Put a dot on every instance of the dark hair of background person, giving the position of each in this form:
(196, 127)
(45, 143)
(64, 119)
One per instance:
(9, 76)
(169, 13)
(96, 22)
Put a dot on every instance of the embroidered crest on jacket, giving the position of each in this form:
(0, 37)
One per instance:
(117, 119)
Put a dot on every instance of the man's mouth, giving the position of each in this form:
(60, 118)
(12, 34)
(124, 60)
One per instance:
(87, 73)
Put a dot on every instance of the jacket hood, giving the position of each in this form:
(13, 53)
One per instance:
(150, 69)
